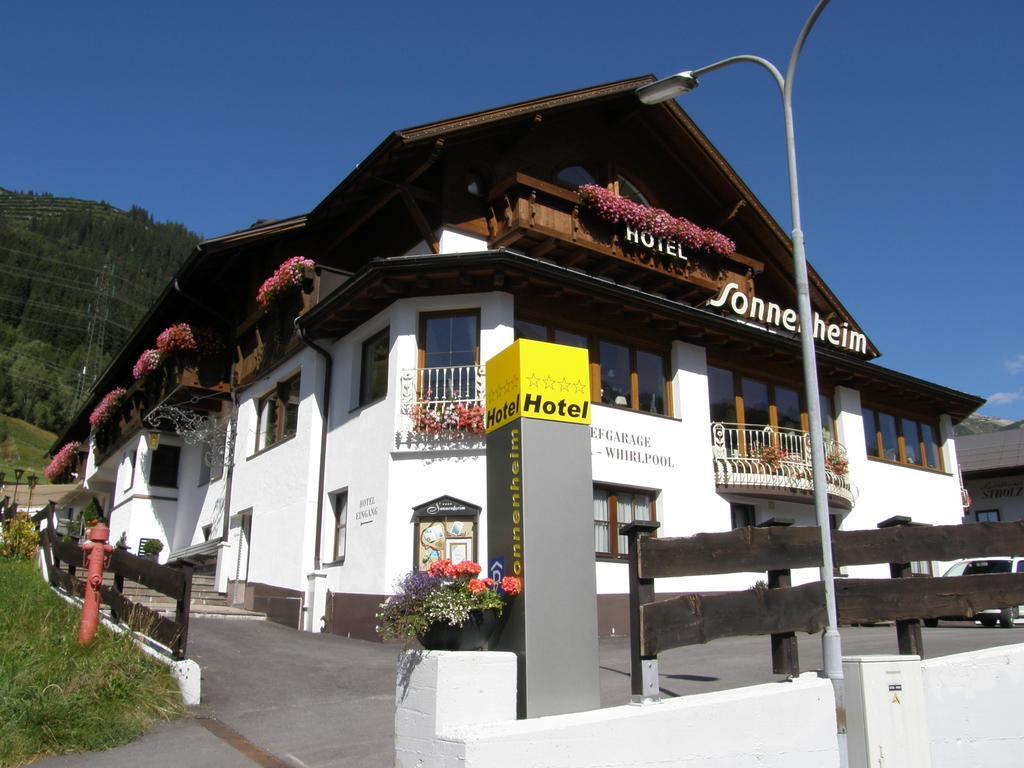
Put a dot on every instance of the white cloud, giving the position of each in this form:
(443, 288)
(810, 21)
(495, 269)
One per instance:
(1005, 398)
(1016, 365)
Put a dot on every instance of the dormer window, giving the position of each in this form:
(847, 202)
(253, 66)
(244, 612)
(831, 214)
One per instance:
(574, 176)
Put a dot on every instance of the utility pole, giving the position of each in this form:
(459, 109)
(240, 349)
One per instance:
(96, 332)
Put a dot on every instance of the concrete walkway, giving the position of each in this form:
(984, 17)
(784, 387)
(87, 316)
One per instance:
(275, 697)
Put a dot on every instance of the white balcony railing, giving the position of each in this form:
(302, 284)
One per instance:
(770, 457)
(442, 407)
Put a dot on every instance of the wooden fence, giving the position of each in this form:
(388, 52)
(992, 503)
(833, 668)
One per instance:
(63, 559)
(781, 610)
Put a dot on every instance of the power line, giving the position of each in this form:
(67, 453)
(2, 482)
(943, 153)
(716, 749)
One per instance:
(57, 308)
(51, 280)
(63, 262)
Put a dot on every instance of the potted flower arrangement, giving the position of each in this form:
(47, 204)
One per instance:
(616, 209)
(289, 275)
(773, 456)
(446, 607)
(60, 468)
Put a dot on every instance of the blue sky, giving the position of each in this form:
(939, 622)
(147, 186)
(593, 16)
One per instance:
(908, 123)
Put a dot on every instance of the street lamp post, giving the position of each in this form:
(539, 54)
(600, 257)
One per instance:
(684, 82)
(17, 481)
(32, 480)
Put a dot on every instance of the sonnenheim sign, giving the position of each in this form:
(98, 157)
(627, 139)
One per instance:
(839, 335)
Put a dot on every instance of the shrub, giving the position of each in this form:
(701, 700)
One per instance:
(19, 539)
(92, 512)
(152, 547)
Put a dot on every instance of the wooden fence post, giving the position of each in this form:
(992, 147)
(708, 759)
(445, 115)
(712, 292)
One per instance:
(182, 612)
(643, 670)
(785, 650)
(908, 631)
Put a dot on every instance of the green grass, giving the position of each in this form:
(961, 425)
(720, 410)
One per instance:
(24, 448)
(58, 698)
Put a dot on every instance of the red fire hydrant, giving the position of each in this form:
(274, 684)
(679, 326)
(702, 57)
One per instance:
(97, 552)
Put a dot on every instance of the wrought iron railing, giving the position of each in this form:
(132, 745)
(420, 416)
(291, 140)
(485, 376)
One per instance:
(442, 405)
(760, 456)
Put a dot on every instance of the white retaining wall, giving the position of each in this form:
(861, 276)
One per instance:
(972, 702)
(458, 709)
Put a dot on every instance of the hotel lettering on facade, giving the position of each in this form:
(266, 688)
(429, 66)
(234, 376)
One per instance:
(326, 443)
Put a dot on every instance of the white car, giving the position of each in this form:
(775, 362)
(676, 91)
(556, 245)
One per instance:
(979, 565)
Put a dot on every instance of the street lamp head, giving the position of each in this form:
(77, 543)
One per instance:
(18, 473)
(32, 480)
(667, 88)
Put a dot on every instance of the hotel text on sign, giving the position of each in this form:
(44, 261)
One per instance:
(537, 380)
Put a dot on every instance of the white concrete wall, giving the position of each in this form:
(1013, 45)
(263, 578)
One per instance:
(279, 483)
(457, 709)
(972, 707)
(890, 489)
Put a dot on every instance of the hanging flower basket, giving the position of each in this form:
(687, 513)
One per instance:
(286, 277)
(59, 469)
(616, 209)
(148, 361)
(176, 338)
(103, 412)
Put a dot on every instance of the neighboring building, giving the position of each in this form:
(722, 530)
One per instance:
(992, 467)
(446, 243)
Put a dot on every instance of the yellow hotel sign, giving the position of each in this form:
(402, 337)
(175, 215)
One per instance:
(537, 380)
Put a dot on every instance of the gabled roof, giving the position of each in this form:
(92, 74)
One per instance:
(408, 152)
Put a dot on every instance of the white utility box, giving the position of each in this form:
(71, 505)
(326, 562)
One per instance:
(885, 717)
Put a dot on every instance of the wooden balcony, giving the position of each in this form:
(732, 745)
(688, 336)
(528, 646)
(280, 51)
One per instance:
(762, 460)
(269, 336)
(192, 384)
(544, 220)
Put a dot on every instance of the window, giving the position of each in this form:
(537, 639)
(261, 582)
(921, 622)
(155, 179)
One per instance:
(621, 375)
(339, 501)
(901, 440)
(163, 467)
(987, 515)
(742, 515)
(753, 403)
(373, 382)
(278, 414)
(574, 176)
(614, 507)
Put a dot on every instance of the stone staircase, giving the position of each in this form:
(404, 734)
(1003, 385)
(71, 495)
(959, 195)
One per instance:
(207, 602)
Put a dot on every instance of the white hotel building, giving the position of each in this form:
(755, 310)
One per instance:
(448, 242)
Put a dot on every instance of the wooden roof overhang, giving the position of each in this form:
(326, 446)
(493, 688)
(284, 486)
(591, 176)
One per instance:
(390, 174)
(385, 280)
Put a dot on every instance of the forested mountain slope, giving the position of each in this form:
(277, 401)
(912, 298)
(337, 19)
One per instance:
(75, 277)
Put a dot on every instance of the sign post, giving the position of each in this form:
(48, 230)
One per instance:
(540, 524)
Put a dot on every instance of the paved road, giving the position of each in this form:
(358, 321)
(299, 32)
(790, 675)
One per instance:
(275, 697)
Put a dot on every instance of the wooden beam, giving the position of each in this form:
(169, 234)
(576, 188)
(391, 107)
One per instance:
(420, 220)
(694, 619)
(388, 197)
